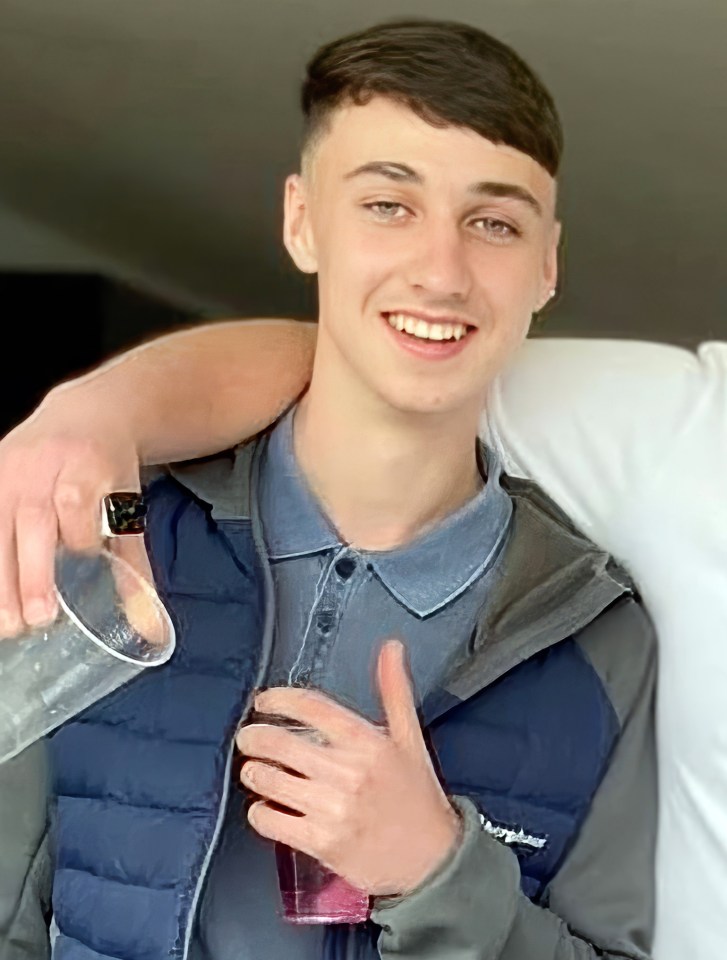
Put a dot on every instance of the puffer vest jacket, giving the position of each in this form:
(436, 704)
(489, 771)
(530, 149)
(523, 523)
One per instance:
(142, 778)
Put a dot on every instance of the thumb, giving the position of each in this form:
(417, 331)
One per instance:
(396, 689)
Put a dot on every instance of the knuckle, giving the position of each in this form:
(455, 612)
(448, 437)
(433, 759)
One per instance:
(254, 771)
(69, 495)
(355, 781)
(338, 807)
(247, 768)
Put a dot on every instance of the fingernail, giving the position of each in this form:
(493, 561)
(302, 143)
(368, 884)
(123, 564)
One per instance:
(8, 624)
(38, 613)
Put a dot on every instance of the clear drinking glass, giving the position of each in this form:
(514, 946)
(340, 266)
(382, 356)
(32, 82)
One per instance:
(111, 626)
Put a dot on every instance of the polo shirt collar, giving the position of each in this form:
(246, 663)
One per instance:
(425, 574)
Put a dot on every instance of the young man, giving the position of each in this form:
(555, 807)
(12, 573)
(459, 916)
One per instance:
(501, 802)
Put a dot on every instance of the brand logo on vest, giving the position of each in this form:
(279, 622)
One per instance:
(512, 837)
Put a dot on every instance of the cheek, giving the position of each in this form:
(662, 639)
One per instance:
(355, 261)
(512, 281)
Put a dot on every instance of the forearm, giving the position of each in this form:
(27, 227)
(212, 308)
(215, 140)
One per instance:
(195, 392)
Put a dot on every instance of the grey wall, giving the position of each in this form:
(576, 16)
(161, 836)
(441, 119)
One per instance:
(29, 245)
(157, 136)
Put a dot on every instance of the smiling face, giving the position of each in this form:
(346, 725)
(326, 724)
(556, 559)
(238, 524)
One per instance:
(407, 222)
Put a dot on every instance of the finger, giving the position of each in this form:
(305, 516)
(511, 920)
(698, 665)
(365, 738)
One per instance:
(36, 536)
(132, 550)
(11, 619)
(77, 504)
(273, 783)
(397, 693)
(294, 831)
(82, 483)
(291, 750)
(337, 723)
(139, 599)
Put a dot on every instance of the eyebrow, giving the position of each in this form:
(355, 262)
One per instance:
(401, 173)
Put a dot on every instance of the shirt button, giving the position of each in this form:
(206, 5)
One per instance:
(345, 567)
(324, 621)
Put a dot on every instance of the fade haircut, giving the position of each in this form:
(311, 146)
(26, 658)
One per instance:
(448, 73)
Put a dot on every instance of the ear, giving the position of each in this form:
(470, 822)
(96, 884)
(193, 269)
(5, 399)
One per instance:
(550, 271)
(297, 229)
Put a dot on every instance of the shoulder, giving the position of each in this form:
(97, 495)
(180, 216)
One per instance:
(621, 646)
(220, 481)
(602, 393)
(603, 425)
(619, 639)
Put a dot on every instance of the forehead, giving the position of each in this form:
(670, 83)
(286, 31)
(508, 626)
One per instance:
(456, 156)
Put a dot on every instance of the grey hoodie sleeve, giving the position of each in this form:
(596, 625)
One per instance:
(25, 866)
(600, 904)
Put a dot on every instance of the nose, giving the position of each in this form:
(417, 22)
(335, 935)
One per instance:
(439, 263)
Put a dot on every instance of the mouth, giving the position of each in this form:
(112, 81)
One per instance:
(428, 328)
(429, 338)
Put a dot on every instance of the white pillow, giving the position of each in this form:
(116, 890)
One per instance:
(630, 439)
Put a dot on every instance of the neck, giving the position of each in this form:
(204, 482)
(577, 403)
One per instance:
(382, 475)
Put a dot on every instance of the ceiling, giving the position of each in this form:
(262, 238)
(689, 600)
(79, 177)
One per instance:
(156, 136)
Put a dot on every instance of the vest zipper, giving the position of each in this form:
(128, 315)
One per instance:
(208, 856)
(265, 655)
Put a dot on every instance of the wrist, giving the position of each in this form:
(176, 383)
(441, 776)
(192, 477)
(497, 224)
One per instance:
(448, 839)
(92, 409)
(86, 412)
(447, 845)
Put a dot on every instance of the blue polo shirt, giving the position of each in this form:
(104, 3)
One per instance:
(334, 606)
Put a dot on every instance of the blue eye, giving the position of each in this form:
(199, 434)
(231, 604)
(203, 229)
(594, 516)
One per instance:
(498, 228)
(384, 208)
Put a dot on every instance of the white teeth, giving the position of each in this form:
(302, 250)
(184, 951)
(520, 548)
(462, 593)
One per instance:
(422, 329)
(427, 331)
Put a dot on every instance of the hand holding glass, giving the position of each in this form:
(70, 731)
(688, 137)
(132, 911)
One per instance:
(111, 626)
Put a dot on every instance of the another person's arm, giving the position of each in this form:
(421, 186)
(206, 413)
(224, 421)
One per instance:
(618, 433)
(184, 395)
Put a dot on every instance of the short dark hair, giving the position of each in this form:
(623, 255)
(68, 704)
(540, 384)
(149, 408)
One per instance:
(448, 73)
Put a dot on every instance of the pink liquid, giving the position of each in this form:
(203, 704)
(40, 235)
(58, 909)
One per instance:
(313, 894)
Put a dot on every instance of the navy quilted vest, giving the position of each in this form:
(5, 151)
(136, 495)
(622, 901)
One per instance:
(141, 778)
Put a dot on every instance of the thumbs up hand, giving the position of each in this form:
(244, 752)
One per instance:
(362, 798)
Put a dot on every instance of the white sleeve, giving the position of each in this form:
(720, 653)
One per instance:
(601, 424)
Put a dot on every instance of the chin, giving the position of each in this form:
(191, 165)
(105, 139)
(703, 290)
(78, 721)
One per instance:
(416, 404)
